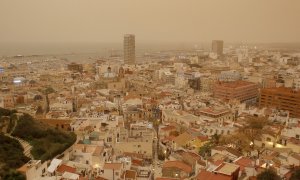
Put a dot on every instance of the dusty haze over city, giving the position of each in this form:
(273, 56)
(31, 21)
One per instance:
(149, 89)
(151, 21)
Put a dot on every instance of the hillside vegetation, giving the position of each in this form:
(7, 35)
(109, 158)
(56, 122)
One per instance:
(11, 158)
(47, 142)
(8, 119)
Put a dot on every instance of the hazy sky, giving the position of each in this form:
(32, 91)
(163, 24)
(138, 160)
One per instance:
(149, 20)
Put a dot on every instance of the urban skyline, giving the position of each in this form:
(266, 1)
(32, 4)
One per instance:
(129, 49)
(150, 90)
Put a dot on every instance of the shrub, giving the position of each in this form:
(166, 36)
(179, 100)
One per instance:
(11, 155)
(47, 142)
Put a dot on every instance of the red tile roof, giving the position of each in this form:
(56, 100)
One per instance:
(168, 138)
(130, 174)
(137, 162)
(202, 138)
(84, 178)
(244, 162)
(218, 162)
(212, 176)
(168, 128)
(112, 166)
(235, 84)
(100, 178)
(133, 155)
(64, 168)
(179, 165)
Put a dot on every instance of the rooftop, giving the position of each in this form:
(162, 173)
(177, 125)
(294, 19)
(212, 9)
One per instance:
(64, 168)
(212, 176)
(178, 164)
(112, 166)
(282, 90)
(243, 162)
(227, 168)
(130, 174)
(214, 111)
(235, 84)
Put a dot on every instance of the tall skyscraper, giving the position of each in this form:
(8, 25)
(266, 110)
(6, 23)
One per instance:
(129, 49)
(217, 47)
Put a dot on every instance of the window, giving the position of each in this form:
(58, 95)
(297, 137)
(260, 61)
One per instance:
(297, 136)
(117, 173)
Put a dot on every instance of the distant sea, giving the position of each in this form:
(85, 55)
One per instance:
(12, 49)
(107, 49)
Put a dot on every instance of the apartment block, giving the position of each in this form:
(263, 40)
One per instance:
(242, 91)
(281, 98)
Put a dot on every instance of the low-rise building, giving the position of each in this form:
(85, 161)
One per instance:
(176, 169)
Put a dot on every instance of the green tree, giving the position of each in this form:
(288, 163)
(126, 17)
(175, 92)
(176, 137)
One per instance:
(295, 175)
(205, 150)
(254, 127)
(216, 139)
(48, 90)
(161, 155)
(268, 174)
(39, 110)
(238, 141)
(47, 142)
(14, 175)
(11, 157)
(182, 129)
(37, 97)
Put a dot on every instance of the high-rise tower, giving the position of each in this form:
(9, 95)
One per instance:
(129, 49)
(217, 47)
